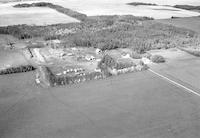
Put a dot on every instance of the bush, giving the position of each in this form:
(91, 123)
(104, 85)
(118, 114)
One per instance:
(111, 44)
(147, 55)
(135, 55)
(122, 65)
(141, 63)
(54, 37)
(107, 61)
(157, 59)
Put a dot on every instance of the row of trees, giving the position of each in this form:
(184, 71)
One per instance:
(109, 62)
(17, 69)
(55, 80)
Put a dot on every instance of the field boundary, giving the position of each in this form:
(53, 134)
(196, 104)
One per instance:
(175, 83)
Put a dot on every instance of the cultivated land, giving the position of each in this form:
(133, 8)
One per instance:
(31, 16)
(104, 7)
(113, 7)
(132, 105)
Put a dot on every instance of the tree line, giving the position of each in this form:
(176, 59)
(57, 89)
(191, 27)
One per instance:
(17, 69)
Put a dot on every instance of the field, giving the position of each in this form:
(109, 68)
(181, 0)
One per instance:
(8, 1)
(192, 23)
(188, 7)
(181, 67)
(12, 59)
(93, 8)
(31, 16)
(116, 107)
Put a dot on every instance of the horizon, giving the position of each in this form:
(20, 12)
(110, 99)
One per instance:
(160, 2)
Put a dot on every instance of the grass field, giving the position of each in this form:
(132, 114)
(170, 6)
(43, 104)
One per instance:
(192, 23)
(116, 107)
(180, 66)
(31, 16)
(11, 59)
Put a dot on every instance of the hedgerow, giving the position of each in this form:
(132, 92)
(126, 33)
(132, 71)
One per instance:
(20, 69)
(55, 80)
